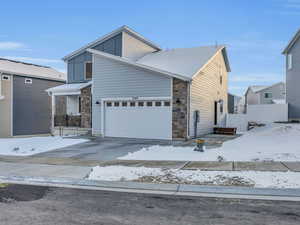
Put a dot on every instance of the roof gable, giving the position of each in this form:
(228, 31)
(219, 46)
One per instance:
(292, 42)
(108, 36)
(185, 61)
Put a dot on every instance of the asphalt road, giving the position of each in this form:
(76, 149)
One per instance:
(34, 205)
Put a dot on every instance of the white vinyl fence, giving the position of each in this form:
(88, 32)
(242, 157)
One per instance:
(239, 121)
(267, 113)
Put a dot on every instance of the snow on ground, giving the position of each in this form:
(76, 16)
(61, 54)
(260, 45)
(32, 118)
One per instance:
(274, 142)
(34, 145)
(241, 178)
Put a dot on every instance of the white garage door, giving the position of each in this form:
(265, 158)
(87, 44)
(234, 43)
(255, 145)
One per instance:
(138, 119)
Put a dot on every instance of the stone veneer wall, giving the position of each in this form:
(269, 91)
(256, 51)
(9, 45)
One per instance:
(179, 113)
(86, 107)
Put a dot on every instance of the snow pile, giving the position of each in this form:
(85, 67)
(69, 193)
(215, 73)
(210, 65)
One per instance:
(156, 175)
(274, 142)
(34, 145)
(122, 173)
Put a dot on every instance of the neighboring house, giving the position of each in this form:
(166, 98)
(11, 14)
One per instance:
(25, 108)
(292, 58)
(141, 91)
(256, 95)
(233, 103)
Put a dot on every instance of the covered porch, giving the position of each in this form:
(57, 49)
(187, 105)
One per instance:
(71, 109)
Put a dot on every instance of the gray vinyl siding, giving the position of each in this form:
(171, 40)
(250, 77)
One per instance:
(230, 103)
(293, 82)
(252, 98)
(113, 79)
(278, 92)
(31, 106)
(77, 63)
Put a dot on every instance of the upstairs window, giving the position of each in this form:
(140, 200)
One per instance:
(290, 61)
(268, 95)
(88, 70)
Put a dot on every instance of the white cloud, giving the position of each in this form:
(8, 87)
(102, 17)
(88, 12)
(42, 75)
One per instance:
(33, 60)
(9, 45)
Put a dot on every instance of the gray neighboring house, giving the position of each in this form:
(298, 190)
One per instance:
(292, 59)
(258, 94)
(25, 107)
(233, 103)
(139, 90)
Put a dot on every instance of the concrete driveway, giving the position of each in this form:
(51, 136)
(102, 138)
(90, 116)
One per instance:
(102, 149)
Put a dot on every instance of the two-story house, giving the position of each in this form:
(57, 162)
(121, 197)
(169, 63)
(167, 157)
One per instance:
(25, 107)
(124, 85)
(292, 59)
(260, 94)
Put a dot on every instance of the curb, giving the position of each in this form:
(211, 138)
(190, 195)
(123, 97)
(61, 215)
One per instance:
(167, 189)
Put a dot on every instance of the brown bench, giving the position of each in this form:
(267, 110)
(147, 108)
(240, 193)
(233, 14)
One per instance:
(225, 130)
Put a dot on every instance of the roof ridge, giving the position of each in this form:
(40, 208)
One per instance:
(25, 63)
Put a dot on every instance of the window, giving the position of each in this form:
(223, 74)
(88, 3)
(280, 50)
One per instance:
(221, 80)
(132, 104)
(141, 104)
(149, 104)
(290, 61)
(268, 95)
(157, 103)
(88, 70)
(167, 103)
(221, 107)
(73, 105)
(117, 104)
(28, 81)
(108, 104)
(124, 104)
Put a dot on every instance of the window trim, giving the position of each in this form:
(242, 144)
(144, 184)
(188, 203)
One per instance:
(85, 70)
(289, 61)
(266, 93)
(28, 81)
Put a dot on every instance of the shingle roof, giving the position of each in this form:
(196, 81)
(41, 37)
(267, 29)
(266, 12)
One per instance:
(184, 61)
(30, 70)
(69, 88)
(257, 88)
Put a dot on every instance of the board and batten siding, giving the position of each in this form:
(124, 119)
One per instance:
(134, 48)
(76, 64)
(5, 108)
(205, 89)
(112, 79)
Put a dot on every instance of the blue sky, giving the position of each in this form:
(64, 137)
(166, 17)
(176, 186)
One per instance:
(255, 31)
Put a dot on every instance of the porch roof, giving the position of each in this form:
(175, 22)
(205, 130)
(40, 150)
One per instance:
(68, 89)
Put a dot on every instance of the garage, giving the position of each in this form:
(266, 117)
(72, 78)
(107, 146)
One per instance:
(150, 119)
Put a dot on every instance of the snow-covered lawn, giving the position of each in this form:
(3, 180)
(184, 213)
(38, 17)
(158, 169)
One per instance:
(274, 142)
(34, 145)
(156, 175)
